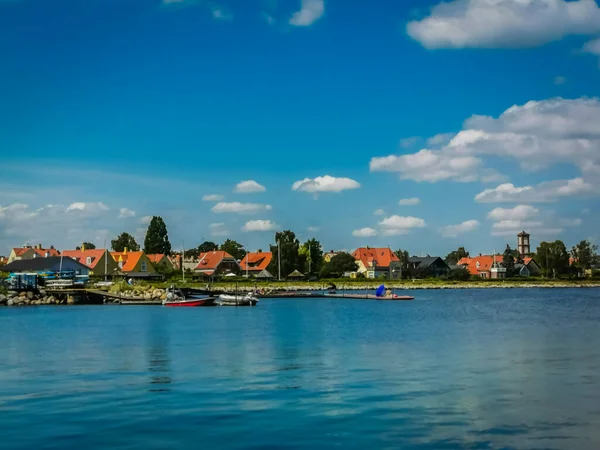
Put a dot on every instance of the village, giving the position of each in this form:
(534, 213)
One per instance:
(369, 263)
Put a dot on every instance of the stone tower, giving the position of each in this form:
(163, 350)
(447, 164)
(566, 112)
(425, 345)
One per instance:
(523, 245)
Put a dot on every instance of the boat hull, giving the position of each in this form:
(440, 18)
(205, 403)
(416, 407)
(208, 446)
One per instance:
(237, 300)
(192, 302)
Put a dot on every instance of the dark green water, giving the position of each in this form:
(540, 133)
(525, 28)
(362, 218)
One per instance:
(481, 369)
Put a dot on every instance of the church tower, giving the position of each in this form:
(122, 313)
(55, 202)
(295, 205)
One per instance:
(523, 245)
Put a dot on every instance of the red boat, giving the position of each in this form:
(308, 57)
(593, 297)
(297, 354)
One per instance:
(207, 301)
(176, 297)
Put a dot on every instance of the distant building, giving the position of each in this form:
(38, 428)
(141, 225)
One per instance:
(523, 244)
(255, 262)
(330, 254)
(161, 260)
(99, 261)
(377, 263)
(216, 264)
(53, 264)
(134, 264)
(3, 260)
(30, 252)
(479, 265)
(497, 271)
(429, 266)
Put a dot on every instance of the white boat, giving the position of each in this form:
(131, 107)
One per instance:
(237, 300)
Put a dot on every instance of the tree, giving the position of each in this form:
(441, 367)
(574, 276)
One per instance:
(339, 264)
(291, 259)
(124, 241)
(455, 256)
(234, 248)
(403, 257)
(461, 274)
(553, 258)
(207, 246)
(192, 253)
(87, 246)
(508, 261)
(157, 238)
(585, 255)
(313, 254)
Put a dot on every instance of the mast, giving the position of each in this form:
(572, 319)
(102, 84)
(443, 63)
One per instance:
(182, 259)
(246, 264)
(309, 259)
(105, 260)
(279, 259)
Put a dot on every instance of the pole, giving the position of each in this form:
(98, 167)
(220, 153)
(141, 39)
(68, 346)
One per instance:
(309, 260)
(182, 259)
(105, 261)
(279, 259)
(246, 264)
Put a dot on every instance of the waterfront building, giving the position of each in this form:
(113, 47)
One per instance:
(429, 266)
(51, 264)
(30, 252)
(216, 264)
(134, 264)
(255, 262)
(99, 261)
(377, 263)
(161, 260)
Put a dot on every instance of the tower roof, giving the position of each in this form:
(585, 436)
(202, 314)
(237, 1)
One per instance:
(523, 233)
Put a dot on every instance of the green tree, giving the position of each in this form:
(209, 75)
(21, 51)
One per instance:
(124, 241)
(234, 248)
(553, 258)
(192, 253)
(87, 246)
(456, 255)
(157, 238)
(339, 264)
(312, 252)
(508, 261)
(461, 274)
(403, 257)
(291, 258)
(585, 255)
(207, 246)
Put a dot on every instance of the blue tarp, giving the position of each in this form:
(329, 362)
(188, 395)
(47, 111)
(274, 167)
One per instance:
(380, 291)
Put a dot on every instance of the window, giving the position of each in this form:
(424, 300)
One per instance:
(88, 260)
(144, 267)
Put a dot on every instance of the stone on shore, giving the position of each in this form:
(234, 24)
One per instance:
(70, 300)
(3, 299)
(10, 302)
(23, 294)
(30, 295)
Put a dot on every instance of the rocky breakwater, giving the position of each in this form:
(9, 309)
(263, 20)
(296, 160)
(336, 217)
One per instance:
(141, 295)
(13, 298)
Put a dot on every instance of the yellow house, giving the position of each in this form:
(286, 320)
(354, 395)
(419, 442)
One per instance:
(327, 256)
(133, 262)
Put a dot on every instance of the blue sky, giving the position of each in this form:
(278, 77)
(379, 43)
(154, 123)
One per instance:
(113, 111)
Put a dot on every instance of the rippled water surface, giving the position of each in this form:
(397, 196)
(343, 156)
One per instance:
(481, 369)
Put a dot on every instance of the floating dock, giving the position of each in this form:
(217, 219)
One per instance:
(369, 297)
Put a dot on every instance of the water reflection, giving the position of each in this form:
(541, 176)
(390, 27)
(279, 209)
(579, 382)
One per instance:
(158, 357)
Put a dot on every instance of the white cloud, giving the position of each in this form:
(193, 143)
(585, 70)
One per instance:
(570, 222)
(212, 198)
(379, 212)
(221, 14)
(593, 47)
(542, 231)
(313, 229)
(462, 228)
(365, 232)
(548, 191)
(440, 139)
(537, 134)
(260, 225)
(409, 141)
(240, 208)
(409, 201)
(560, 80)
(519, 212)
(398, 225)
(516, 225)
(249, 187)
(218, 229)
(325, 184)
(311, 11)
(504, 23)
(87, 208)
(146, 220)
(18, 212)
(125, 213)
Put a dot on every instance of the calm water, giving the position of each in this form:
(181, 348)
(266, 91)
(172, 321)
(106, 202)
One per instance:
(453, 369)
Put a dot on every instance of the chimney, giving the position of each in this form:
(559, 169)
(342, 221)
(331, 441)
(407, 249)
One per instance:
(82, 247)
(125, 250)
(39, 246)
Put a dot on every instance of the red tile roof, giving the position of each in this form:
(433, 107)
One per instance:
(155, 257)
(256, 262)
(479, 264)
(381, 257)
(49, 251)
(211, 260)
(81, 256)
(20, 251)
(130, 259)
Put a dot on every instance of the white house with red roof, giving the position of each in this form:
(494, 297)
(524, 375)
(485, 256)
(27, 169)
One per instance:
(377, 263)
(217, 264)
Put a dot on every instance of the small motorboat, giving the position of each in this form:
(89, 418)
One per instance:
(237, 300)
(176, 297)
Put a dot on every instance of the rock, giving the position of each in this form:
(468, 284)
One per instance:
(30, 295)
(27, 302)
(163, 297)
(3, 299)
(148, 296)
(37, 302)
(12, 294)
(70, 300)
(42, 292)
(10, 302)
(22, 294)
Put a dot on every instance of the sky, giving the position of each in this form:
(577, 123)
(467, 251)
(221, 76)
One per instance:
(417, 124)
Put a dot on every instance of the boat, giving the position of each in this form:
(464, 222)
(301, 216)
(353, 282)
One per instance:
(370, 296)
(237, 300)
(176, 297)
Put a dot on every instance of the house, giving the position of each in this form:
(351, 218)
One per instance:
(217, 263)
(295, 275)
(330, 254)
(533, 268)
(479, 265)
(3, 260)
(522, 270)
(377, 263)
(98, 261)
(429, 266)
(265, 275)
(255, 263)
(53, 264)
(30, 252)
(134, 264)
(161, 260)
